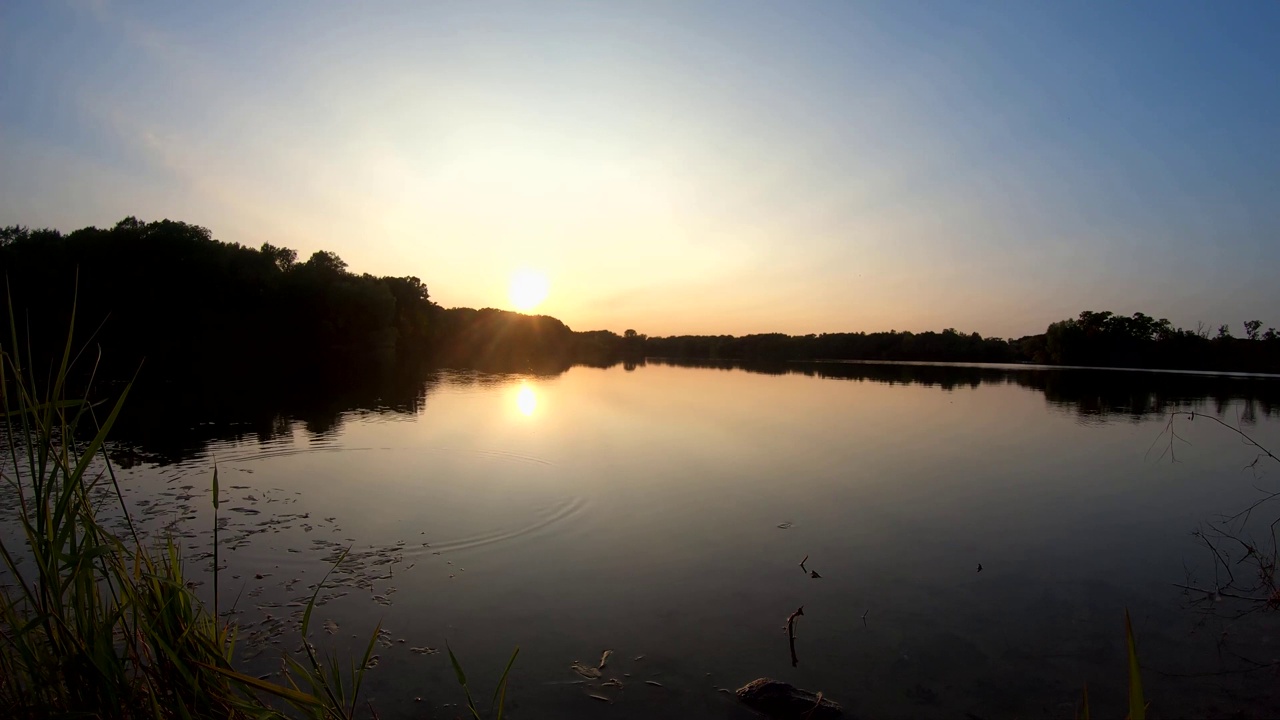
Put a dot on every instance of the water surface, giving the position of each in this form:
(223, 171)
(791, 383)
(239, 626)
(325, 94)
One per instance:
(662, 512)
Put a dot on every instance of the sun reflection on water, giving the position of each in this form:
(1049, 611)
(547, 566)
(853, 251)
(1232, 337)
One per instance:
(526, 400)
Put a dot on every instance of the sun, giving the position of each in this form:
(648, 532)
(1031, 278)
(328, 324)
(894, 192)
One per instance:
(528, 289)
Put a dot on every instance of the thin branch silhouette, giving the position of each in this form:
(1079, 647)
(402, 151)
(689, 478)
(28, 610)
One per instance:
(1229, 540)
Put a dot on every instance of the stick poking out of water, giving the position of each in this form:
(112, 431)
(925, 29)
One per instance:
(791, 634)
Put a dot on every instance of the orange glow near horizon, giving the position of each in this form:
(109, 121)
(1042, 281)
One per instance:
(528, 289)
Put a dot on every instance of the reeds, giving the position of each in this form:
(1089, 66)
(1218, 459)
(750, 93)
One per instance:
(91, 624)
(99, 625)
(1137, 704)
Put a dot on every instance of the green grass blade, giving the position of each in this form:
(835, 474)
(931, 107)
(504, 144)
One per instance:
(457, 668)
(357, 677)
(216, 610)
(311, 604)
(502, 701)
(53, 405)
(1137, 706)
(293, 696)
(101, 437)
(70, 345)
(500, 692)
(462, 680)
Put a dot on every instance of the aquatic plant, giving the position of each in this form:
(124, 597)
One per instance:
(498, 703)
(100, 625)
(90, 623)
(1137, 703)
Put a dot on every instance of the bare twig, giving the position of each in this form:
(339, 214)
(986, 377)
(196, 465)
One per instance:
(1220, 591)
(1245, 437)
(791, 634)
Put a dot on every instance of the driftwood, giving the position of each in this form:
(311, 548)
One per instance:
(778, 699)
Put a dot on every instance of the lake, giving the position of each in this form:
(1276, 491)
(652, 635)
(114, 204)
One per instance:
(662, 512)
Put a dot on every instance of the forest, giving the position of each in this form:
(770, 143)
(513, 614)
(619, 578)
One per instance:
(1094, 339)
(169, 297)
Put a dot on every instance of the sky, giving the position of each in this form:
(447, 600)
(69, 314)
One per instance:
(684, 167)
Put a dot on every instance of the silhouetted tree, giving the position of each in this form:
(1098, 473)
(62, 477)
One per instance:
(1251, 328)
(283, 258)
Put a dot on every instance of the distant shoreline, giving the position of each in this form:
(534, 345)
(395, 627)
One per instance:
(1043, 366)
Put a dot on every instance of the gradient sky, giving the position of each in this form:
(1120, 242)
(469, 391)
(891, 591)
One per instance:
(684, 167)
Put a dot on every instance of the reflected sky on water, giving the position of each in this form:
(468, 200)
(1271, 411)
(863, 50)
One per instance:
(662, 511)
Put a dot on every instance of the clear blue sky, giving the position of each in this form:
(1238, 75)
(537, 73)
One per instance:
(684, 166)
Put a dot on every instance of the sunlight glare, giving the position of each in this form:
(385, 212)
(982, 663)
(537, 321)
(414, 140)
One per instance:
(528, 289)
(526, 400)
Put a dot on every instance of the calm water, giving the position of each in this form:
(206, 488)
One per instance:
(662, 512)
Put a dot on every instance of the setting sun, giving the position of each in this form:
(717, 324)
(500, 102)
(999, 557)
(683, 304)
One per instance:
(528, 289)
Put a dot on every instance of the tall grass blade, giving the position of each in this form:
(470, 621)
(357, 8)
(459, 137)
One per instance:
(462, 680)
(457, 668)
(1137, 706)
(498, 704)
(216, 614)
(292, 696)
(357, 678)
(311, 604)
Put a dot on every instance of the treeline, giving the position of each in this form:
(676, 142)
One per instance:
(193, 307)
(1100, 339)
(946, 346)
(1110, 340)
(169, 297)
(503, 341)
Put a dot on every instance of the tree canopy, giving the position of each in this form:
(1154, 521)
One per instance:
(168, 293)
